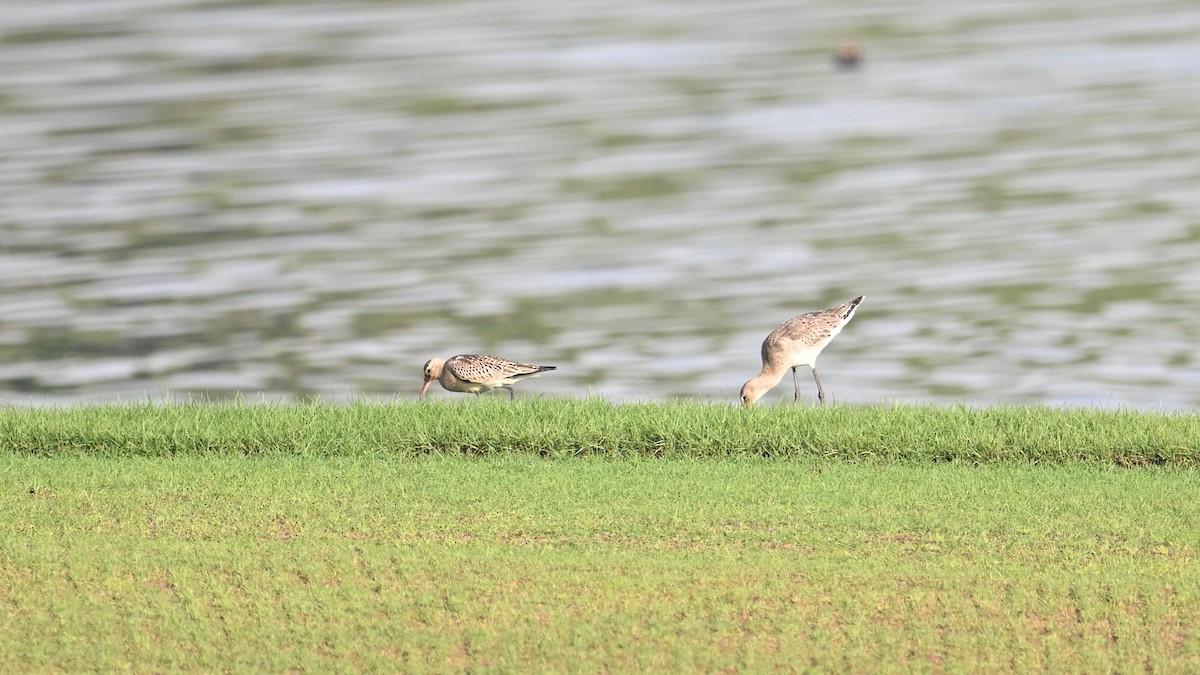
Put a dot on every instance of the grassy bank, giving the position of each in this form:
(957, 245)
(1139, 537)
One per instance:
(583, 536)
(510, 563)
(561, 428)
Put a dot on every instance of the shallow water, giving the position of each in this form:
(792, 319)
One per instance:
(221, 198)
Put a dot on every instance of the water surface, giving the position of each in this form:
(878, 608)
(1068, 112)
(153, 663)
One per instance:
(206, 198)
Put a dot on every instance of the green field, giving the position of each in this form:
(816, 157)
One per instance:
(448, 537)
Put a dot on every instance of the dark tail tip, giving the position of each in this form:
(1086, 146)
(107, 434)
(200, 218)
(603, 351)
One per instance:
(853, 306)
(542, 369)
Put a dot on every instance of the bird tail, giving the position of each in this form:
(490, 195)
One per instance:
(852, 305)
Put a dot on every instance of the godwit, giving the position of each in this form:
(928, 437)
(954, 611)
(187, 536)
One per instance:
(477, 373)
(797, 342)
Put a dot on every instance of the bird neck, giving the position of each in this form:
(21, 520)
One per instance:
(771, 374)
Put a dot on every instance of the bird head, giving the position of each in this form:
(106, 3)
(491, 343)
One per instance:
(433, 370)
(752, 391)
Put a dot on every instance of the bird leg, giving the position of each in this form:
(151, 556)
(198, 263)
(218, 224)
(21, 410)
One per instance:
(820, 390)
(510, 392)
(796, 381)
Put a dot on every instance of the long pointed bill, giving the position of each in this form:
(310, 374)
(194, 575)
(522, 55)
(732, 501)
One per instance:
(424, 389)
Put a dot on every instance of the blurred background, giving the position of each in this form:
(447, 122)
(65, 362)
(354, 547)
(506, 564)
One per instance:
(292, 199)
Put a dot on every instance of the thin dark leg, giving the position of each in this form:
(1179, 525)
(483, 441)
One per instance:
(796, 381)
(820, 390)
(510, 393)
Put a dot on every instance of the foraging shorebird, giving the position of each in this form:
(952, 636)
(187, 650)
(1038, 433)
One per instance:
(477, 373)
(797, 342)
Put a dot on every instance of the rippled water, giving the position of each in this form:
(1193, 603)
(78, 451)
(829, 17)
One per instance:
(289, 199)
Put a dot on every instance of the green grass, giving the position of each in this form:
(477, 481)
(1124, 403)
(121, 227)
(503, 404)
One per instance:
(563, 428)
(403, 538)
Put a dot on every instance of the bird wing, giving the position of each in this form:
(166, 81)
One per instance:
(482, 368)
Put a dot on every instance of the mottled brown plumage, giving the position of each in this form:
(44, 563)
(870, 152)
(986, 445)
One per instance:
(477, 373)
(797, 342)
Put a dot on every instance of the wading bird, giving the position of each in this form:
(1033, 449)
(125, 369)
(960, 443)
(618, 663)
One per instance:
(477, 373)
(797, 342)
